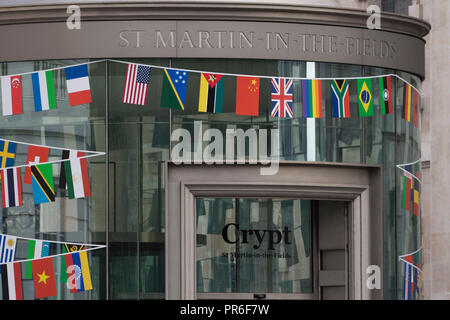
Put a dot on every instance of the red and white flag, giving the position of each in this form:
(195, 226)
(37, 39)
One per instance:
(136, 84)
(15, 291)
(11, 95)
(36, 154)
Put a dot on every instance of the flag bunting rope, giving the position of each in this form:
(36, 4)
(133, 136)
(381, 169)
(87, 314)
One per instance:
(222, 73)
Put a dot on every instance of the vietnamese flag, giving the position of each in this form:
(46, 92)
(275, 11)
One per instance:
(43, 278)
(36, 154)
(247, 96)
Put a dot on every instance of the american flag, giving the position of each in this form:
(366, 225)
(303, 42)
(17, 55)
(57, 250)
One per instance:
(136, 84)
(282, 98)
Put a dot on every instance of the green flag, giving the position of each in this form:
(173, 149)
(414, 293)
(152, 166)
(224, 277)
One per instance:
(64, 277)
(30, 255)
(174, 86)
(365, 97)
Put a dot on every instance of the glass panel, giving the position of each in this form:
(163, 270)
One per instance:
(138, 145)
(408, 237)
(379, 148)
(292, 131)
(397, 6)
(254, 245)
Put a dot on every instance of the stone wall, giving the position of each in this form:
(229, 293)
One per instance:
(436, 149)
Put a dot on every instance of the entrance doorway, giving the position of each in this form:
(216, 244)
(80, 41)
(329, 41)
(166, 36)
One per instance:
(307, 233)
(271, 248)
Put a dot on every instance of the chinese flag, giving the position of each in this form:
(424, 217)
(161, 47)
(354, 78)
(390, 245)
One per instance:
(36, 154)
(247, 96)
(43, 278)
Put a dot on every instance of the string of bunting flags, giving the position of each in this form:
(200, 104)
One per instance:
(39, 266)
(411, 187)
(74, 175)
(412, 275)
(410, 202)
(211, 92)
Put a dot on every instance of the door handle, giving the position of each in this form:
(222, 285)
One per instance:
(259, 296)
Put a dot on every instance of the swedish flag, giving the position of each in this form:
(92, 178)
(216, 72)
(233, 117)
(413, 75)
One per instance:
(7, 153)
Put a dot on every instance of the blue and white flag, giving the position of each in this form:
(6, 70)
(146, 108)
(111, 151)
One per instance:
(7, 248)
(45, 249)
(43, 90)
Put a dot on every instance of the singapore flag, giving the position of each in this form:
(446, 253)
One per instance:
(11, 95)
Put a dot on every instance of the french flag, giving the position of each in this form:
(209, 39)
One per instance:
(77, 81)
(11, 95)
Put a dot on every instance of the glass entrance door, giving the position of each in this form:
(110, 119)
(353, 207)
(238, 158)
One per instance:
(250, 247)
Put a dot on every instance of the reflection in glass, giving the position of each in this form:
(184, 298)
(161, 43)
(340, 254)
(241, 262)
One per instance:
(254, 245)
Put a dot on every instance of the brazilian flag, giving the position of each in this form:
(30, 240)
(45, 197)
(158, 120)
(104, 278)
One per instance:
(365, 97)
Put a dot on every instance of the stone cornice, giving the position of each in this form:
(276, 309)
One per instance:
(223, 11)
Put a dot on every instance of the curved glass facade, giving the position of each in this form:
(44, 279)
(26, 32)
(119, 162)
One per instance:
(128, 213)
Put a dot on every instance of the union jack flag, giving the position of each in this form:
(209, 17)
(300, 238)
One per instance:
(282, 98)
